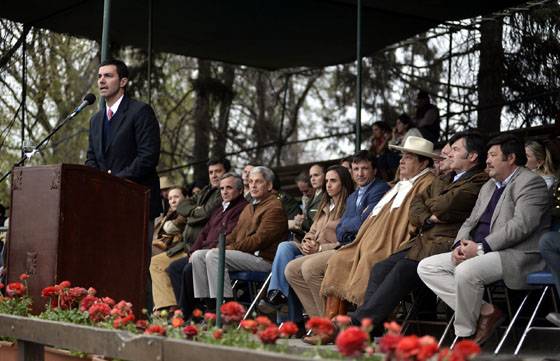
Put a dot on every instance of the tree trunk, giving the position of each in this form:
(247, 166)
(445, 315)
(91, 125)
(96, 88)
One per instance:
(225, 99)
(490, 76)
(261, 122)
(202, 120)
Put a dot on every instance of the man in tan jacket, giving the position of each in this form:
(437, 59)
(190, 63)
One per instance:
(251, 245)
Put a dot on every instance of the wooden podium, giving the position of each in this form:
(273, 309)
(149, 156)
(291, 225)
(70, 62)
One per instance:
(75, 223)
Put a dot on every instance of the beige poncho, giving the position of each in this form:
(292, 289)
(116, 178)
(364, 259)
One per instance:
(379, 236)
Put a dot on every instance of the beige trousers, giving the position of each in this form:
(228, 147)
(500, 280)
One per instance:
(305, 275)
(162, 291)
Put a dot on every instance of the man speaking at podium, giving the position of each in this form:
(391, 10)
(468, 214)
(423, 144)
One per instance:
(124, 134)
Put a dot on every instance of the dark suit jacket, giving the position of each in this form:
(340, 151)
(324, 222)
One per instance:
(133, 151)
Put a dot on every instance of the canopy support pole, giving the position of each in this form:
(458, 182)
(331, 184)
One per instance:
(359, 78)
(23, 87)
(105, 35)
(150, 32)
(280, 140)
(449, 63)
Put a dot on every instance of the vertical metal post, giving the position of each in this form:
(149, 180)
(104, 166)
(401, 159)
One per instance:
(448, 117)
(105, 54)
(23, 87)
(280, 141)
(150, 32)
(30, 351)
(221, 269)
(359, 77)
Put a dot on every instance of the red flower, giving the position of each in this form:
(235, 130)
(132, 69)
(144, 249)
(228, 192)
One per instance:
(155, 330)
(190, 331)
(288, 329)
(367, 325)
(122, 321)
(49, 291)
(217, 334)
(196, 313)
(428, 348)
(342, 321)
(466, 349)
(15, 289)
(269, 335)
(352, 341)
(99, 312)
(121, 309)
(87, 302)
(392, 327)
(263, 321)
(232, 312)
(210, 317)
(91, 291)
(23, 276)
(389, 342)
(65, 284)
(178, 313)
(249, 325)
(320, 326)
(407, 347)
(177, 322)
(142, 324)
(109, 301)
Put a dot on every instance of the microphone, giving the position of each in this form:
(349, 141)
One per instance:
(88, 100)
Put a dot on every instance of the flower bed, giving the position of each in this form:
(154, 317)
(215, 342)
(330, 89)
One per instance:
(78, 319)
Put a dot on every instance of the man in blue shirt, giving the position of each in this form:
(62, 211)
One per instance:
(305, 274)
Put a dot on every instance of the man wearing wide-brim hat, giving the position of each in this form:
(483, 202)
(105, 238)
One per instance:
(165, 184)
(385, 230)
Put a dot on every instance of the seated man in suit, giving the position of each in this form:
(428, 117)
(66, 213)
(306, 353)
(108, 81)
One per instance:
(437, 214)
(194, 212)
(251, 245)
(223, 219)
(499, 241)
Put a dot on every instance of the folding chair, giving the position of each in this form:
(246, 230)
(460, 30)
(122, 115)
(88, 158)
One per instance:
(545, 280)
(253, 279)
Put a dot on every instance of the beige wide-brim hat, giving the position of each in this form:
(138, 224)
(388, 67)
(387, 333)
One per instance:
(418, 145)
(165, 183)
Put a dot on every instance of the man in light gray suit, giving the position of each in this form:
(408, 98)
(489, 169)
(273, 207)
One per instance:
(499, 241)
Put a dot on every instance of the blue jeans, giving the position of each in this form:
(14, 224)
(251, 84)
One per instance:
(286, 252)
(549, 246)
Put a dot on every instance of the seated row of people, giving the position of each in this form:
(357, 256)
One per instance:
(371, 246)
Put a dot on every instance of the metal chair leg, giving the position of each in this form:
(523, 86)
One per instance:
(258, 296)
(442, 338)
(528, 328)
(511, 323)
(454, 342)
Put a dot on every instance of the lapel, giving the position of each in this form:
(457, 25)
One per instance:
(118, 119)
(98, 128)
(503, 196)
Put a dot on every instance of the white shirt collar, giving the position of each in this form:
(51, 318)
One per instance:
(459, 175)
(115, 106)
(225, 205)
(506, 181)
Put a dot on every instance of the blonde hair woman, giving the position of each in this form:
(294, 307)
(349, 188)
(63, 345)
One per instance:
(540, 160)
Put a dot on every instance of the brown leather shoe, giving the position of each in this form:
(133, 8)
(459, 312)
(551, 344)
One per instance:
(487, 325)
(319, 339)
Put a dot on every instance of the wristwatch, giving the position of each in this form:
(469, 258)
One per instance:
(479, 249)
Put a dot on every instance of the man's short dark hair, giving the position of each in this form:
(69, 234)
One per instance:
(422, 158)
(364, 156)
(422, 94)
(303, 177)
(223, 161)
(122, 69)
(474, 143)
(510, 144)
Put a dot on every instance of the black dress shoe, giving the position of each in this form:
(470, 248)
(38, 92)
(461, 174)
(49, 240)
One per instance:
(554, 317)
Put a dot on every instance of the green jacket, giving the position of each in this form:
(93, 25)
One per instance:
(311, 211)
(197, 211)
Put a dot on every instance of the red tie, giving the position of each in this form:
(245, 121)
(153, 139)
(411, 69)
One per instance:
(109, 114)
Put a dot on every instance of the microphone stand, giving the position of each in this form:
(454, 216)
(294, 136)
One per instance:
(38, 147)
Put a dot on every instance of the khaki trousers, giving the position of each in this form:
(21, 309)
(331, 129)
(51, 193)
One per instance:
(305, 275)
(461, 286)
(162, 291)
